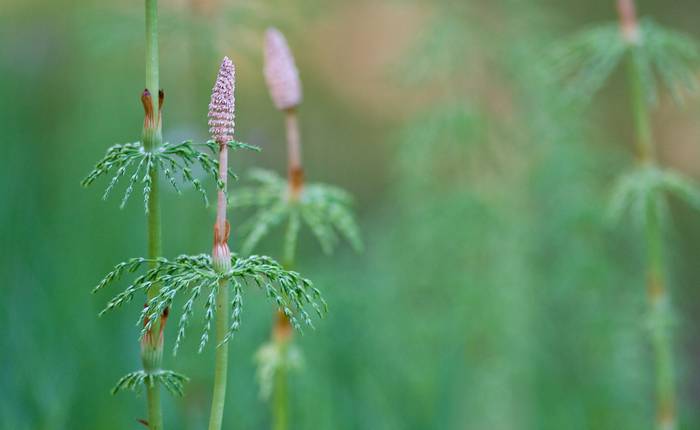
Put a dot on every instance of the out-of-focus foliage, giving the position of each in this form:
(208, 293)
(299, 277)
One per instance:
(635, 190)
(324, 209)
(492, 292)
(588, 59)
(138, 380)
(273, 357)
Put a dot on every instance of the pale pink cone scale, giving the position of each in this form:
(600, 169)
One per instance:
(280, 72)
(221, 108)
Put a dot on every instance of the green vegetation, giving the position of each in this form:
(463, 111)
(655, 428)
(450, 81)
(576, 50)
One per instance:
(520, 179)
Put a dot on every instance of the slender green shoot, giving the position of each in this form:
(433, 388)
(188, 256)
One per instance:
(652, 54)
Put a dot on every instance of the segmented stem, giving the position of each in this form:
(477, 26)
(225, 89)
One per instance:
(221, 367)
(152, 67)
(222, 308)
(151, 140)
(279, 394)
(659, 301)
(659, 318)
(281, 333)
(221, 114)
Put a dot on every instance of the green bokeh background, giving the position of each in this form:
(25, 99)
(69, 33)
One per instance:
(491, 294)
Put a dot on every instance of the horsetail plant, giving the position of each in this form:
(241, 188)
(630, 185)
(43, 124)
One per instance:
(323, 208)
(142, 161)
(649, 51)
(211, 277)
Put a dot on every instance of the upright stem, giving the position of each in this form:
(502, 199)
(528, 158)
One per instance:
(279, 394)
(282, 337)
(152, 84)
(659, 301)
(642, 126)
(221, 221)
(154, 348)
(222, 260)
(295, 171)
(220, 371)
(151, 351)
(659, 316)
(282, 329)
(155, 417)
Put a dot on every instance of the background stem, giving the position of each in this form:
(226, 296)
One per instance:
(282, 329)
(279, 394)
(659, 316)
(293, 144)
(295, 171)
(659, 301)
(640, 111)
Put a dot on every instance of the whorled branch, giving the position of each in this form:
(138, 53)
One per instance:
(135, 381)
(585, 61)
(132, 160)
(195, 277)
(637, 189)
(273, 357)
(324, 209)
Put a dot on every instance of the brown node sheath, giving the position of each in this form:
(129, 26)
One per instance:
(148, 337)
(149, 120)
(147, 102)
(655, 287)
(161, 100)
(296, 181)
(666, 414)
(282, 329)
(221, 239)
(164, 318)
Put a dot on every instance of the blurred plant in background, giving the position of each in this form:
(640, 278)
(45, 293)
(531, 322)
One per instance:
(641, 194)
(323, 209)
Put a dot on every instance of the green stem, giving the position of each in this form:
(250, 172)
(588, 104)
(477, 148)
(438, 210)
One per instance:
(152, 84)
(281, 332)
(659, 301)
(152, 140)
(220, 371)
(640, 111)
(659, 318)
(279, 396)
(155, 418)
(154, 224)
(282, 336)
